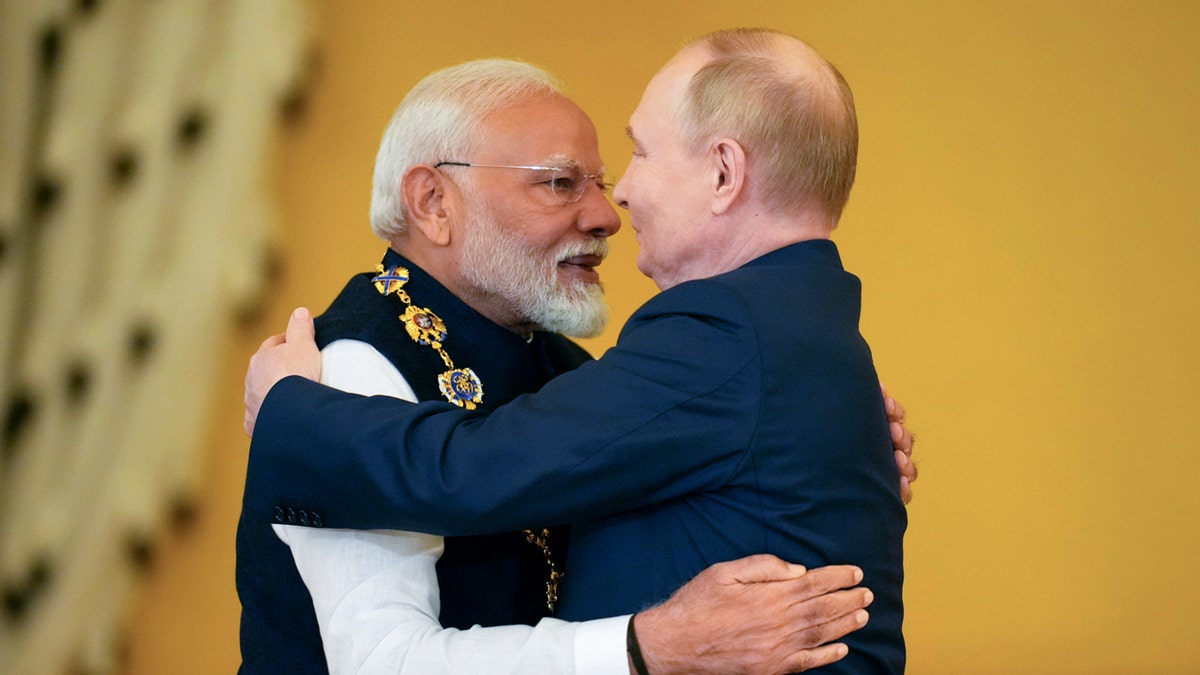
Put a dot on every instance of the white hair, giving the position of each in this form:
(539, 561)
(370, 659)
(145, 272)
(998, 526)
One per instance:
(439, 120)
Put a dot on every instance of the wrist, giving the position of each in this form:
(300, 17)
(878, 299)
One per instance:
(637, 662)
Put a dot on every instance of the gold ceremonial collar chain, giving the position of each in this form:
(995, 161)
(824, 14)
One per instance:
(460, 386)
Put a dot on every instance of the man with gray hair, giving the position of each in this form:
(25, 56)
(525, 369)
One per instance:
(675, 463)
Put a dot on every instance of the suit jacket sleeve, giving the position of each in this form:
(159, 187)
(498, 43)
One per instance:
(668, 411)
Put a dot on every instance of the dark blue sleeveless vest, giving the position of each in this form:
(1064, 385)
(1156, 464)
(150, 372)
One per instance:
(487, 580)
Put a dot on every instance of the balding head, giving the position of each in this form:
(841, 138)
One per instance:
(788, 107)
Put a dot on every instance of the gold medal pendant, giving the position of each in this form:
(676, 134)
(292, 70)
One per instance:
(424, 327)
(461, 386)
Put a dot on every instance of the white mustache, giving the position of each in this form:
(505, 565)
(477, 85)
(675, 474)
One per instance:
(596, 247)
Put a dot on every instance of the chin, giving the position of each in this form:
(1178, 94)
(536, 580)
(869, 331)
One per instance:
(644, 268)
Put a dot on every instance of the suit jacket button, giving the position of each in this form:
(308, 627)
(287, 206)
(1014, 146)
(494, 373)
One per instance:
(317, 521)
(291, 517)
(278, 515)
(304, 517)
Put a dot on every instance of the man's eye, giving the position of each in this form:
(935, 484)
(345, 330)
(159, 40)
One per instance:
(562, 183)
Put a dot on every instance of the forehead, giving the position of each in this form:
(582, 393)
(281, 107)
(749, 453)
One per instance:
(542, 128)
(656, 110)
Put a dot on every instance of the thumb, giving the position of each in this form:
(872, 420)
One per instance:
(300, 327)
(763, 568)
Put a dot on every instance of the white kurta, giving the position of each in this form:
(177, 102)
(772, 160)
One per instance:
(376, 592)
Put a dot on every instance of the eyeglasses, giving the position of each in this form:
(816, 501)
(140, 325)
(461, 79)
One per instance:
(566, 183)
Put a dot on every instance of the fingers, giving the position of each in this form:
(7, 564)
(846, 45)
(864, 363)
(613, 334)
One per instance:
(250, 408)
(831, 616)
(904, 463)
(756, 615)
(292, 353)
(895, 412)
(815, 658)
(809, 657)
(908, 473)
(827, 579)
(274, 340)
(902, 441)
(300, 326)
(902, 438)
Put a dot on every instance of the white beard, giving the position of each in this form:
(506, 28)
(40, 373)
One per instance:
(501, 264)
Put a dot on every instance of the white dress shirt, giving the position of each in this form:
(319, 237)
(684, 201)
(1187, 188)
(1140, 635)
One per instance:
(376, 592)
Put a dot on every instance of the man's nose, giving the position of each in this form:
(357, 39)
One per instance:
(618, 194)
(598, 217)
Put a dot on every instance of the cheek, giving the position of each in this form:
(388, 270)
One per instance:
(638, 182)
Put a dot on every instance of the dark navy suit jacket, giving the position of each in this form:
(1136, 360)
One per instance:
(735, 415)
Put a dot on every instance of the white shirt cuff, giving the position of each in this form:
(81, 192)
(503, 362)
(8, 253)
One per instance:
(600, 647)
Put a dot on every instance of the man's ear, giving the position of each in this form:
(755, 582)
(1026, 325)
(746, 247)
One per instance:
(727, 162)
(423, 190)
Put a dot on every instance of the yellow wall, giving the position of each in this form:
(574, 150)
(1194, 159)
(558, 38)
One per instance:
(1025, 223)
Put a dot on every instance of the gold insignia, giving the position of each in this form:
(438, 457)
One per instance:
(424, 327)
(462, 387)
(390, 281)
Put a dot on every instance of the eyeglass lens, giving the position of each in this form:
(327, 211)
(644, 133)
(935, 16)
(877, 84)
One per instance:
(570, 182)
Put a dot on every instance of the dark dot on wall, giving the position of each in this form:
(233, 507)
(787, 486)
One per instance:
(46, 193)
(273, 264)
(20, 410)
(192, 127)
(294, 102)
(41, 573)
(141, 343)
(16, 601)
(123, 652)
(79, 382)
(50, 48)
(18, 597)
(251, 310)
(139, 549)
(3, 245)
(123, 167)
(87, 6)
(183, 511)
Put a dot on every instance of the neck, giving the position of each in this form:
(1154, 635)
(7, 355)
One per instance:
(756, 230)
(745, 235)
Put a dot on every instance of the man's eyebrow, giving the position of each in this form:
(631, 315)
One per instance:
(568, 162)
(561, 160)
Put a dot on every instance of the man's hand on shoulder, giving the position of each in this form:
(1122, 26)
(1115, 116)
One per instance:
(902, 444)
(758, 616)
(291, 353)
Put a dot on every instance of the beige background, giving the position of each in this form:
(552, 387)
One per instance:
(1026, 226)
